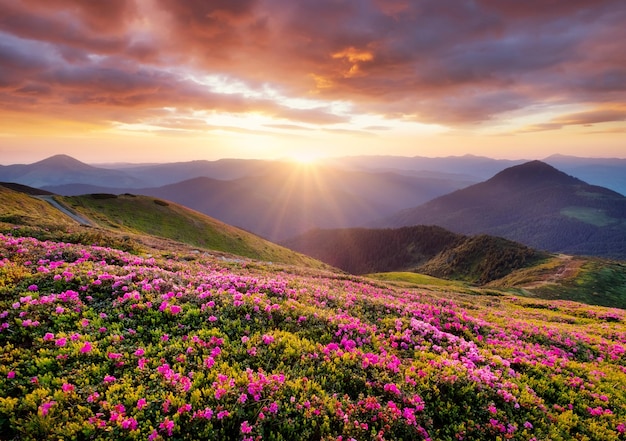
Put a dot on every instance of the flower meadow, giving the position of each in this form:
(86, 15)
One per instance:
(97, 343)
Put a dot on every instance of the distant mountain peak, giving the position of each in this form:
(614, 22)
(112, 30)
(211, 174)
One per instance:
(61, 162)
(533, 173)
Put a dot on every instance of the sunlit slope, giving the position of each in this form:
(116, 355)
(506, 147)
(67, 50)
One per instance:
(19, 208)
(147, 215)
(591, 281)
(588, 280)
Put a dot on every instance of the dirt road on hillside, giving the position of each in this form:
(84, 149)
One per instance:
(78, 218)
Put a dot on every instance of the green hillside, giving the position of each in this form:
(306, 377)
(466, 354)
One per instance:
(363, 250)
(587, 280)
(19, 208)
(424, 249)
(146, 215)
(481, 259)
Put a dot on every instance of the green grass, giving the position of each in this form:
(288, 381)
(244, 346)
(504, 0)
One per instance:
(589, 215)
(529, 275)
(146, 215)
(414, 279)
(597, 282)
(21, 209)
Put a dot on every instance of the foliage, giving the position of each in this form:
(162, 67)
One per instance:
(425, 249)
(96, 343)
(482, 259)
(362, 250)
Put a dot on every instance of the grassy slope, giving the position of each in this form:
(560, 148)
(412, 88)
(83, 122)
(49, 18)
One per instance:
(482, 259)
(417, 279)
(594, 282)
(146, 215)
(21, 209)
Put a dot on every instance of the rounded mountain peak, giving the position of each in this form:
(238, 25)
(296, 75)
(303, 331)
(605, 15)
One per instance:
(61, 162)
(534, 173)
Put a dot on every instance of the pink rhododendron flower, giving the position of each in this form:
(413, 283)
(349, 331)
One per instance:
(86, 347)
(129, 424)
(391, 387)
(44, 408)
(245, 427)
(168, 426)
(61, 341)
(184, 408)
(141, 403)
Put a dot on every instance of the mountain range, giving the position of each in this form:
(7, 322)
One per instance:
(467, 169)
(280, 200)
(532, 202)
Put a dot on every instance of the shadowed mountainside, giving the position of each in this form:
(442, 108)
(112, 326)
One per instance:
(534, 204)
(425, 249)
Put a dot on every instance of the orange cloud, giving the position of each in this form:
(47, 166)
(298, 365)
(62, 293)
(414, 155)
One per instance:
(445, 62)
(354, 57)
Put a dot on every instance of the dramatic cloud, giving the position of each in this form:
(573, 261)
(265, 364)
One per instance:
(321, 62)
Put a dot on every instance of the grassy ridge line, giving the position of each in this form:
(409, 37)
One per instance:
(19, 208)
(146, 215)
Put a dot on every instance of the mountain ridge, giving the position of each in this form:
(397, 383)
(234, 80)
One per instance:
(423, 249)
(534, 204)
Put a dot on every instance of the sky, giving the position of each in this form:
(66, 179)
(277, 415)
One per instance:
(178, 80)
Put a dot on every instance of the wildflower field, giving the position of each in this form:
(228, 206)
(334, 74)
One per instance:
(97, 343)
